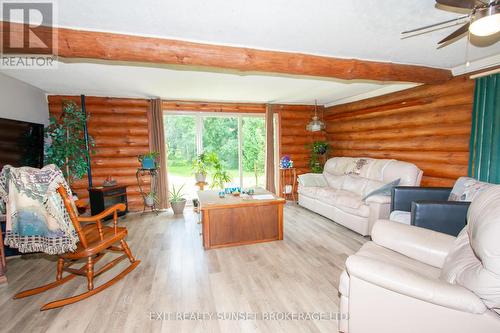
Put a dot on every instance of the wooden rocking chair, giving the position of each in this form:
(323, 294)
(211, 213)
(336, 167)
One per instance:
(95, 241)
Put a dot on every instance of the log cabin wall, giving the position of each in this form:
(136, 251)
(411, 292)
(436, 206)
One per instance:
(293, 137)
(427, 125)
(119, 127)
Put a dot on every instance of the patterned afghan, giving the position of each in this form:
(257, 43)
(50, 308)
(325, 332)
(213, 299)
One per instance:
(37, 220)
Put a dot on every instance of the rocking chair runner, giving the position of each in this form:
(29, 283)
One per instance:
(95, 241)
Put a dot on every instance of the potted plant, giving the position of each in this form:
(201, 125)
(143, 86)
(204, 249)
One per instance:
(220, 176)
(148, 160)
(200, 167)
(66, 145)
(318, 155)
(177, 200)
(150, 199)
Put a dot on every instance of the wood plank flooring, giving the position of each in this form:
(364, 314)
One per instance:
(297, 275)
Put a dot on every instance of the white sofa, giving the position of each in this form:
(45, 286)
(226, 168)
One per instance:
(411, 279)
(337, 193)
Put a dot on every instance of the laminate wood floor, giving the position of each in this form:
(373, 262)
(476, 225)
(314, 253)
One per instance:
(297, 275)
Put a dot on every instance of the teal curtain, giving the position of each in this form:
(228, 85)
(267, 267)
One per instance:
(484, 160)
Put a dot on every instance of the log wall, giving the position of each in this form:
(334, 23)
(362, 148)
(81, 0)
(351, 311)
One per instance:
(119, 127)
(293, 136)
(120, 130)
(427, 125)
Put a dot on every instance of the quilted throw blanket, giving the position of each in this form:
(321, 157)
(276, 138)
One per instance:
(37, 220)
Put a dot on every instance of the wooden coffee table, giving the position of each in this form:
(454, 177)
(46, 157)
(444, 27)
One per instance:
(232, 221)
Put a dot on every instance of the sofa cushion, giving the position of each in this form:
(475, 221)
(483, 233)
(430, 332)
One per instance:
(400, 216)
(474, 262)
(310, 191)
(374, 251)
(312, 179)
(466, 188)
(334, 181)
(355, 184)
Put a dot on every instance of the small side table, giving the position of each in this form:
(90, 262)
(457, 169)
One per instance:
(288, 183)
(201, 185)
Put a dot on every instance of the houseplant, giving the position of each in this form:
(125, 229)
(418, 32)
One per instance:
(220, 175)
(150, 199)
(200, 167)
(148, 160)
(318, 155)
(66, 145)
(177, 200)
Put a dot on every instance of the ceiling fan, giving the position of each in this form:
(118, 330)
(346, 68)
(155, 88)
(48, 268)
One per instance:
(482, 19)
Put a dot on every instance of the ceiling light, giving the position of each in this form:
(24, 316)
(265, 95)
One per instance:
(486, 22)
(315, 125)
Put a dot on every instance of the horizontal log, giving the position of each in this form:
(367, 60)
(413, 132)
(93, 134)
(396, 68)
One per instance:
(430, 143)
(118, 131)
(408, 108)
(101, 120)
(102, 101)
(460, 114)
(213, 107)
(439, 170)
(120, 47)
(114, 162)
(121, 141)
(120, 151)
(437, 182)
(443, 157)
(402, 133)
(299, 140)
(457, 84)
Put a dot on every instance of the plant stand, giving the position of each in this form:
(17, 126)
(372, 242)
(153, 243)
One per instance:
(142, 175)
(288, 181)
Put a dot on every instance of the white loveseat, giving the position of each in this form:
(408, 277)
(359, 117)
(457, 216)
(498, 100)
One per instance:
(337, 193)
(411, 279)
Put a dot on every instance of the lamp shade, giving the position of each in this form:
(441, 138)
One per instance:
(486, 22)
(315, 125)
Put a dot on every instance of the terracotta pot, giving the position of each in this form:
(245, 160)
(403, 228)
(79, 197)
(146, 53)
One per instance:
(178, 206)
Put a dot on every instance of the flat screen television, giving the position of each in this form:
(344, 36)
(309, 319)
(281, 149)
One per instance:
(21, 143)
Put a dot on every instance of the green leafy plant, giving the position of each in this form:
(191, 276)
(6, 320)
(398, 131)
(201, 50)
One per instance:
(66, 146)
(151, 197)
(320, 147)
(176, 195)
(318, 150)
(201, 163)
(152, 155)
(220, 175)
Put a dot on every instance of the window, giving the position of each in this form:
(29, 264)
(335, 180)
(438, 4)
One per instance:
(238, 140)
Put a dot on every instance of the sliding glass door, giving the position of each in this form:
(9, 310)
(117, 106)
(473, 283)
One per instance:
(238, 140)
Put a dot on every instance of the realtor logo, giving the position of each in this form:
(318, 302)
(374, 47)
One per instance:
(28, 37)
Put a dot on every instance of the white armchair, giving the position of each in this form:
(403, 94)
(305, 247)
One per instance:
(410, 279)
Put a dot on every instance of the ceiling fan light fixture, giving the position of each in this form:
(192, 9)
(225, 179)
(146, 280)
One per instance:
(486, 22)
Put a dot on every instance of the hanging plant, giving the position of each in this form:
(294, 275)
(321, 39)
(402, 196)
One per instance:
(65, 144)
(318, 152)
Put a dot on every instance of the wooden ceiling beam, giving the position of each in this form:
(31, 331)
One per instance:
(120, 47)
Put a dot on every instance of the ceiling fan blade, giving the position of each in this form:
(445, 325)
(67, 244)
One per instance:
(435, 24)
(458, 3)
(460, 31)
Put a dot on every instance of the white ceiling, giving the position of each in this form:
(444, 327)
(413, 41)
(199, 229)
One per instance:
(118, 80)
(367, 29)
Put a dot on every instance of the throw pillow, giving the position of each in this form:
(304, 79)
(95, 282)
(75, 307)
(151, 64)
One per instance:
(383, 190)
(466, 188)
